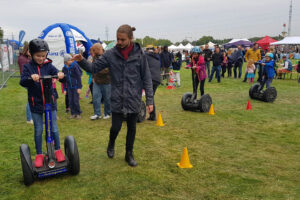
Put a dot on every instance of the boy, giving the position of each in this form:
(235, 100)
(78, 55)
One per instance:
(72, 85)
(40, 66)
(268, 71)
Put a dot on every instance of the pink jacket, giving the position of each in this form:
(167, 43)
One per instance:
(200, 69)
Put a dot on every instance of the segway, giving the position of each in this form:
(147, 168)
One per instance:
(189, 100)
(50, 167)
(268, 95)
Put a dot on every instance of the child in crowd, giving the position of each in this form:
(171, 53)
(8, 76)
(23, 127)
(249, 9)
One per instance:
(30, 78)
(176, 67)
(250, 70)
(224, 64)
(72, 85)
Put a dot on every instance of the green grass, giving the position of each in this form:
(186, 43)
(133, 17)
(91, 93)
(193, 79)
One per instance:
(236, 154)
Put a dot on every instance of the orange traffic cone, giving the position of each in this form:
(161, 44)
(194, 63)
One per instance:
(249, 107)
(159, 121)
(185, 160)
(211, 110)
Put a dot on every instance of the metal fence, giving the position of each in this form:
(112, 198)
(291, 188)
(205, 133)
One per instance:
(8, 62)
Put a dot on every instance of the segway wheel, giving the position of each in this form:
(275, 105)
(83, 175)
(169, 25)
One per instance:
(205, 103)
(71, 152)
(253, 90)
(142, 114)
(26, 163)
(186, 98)
(270, 94)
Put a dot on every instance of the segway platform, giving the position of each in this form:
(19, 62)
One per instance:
(201, 105)
(46, 171)
(268, 95)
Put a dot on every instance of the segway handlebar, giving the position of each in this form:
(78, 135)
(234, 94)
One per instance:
(45, 77)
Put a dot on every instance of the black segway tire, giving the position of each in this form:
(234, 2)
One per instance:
(270, 94)
(26, 163)
(205, 103)
(142, 114)
(186, 98)
(253, 89)
(71, 152)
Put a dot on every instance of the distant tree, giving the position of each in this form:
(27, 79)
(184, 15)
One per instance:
(185, 42)
(1, 34)
(139, 40)
(204, 40)
(177, 43)
(149, 41)
(163, 42)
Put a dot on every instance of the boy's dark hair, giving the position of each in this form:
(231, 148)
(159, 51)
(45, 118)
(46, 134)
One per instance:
(126, 29)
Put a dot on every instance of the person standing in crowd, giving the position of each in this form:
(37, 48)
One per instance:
(72, 85)
(224, 64)
(254, 54)
(217, 59)
(166, 61)
(23, 59)
(250, 70)
(207, 57)
(130, 74)
(101, 87)
(239, 59)
(152, 56)
(176, 67)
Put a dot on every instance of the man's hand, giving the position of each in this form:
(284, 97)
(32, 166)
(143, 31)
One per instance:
(194, 67)
(77, 57)
(149, 108)
(60, 75)
(65, 92)
(35, 77)
(78, 91)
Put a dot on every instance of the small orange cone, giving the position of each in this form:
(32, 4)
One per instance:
(185, 160)
(211, 110)
(159, 121)
(249, 107)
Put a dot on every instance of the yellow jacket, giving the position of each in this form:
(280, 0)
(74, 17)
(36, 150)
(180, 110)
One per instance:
(254, 55)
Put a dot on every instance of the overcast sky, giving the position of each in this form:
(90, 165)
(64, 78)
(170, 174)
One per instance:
(172, 19)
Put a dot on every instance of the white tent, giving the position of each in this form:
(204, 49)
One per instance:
(235, 40)
(172, 47)
(104, 45)
(188, 47)
(288, 40)
(180, 47)
(210, 45)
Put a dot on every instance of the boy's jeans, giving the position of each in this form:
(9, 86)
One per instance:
(38, 131)
(99, 91)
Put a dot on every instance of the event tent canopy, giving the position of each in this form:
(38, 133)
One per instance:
(172, 47)
(62, 39)
(188, 47)
(288, 40)
(236, 40)
(242, 43)
(264, 43)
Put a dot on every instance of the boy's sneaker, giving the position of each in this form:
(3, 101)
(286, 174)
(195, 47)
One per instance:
(78, 117)
(30, 122)
(106, 117)
(72, 116)
(95, 117)
(39, 159)
(59, 156)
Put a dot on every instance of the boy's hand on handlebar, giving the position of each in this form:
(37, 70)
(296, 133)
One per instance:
(78, 91)
(194, 67)
(35, 77)
(60, 75)
(77, 57)
(149, 108)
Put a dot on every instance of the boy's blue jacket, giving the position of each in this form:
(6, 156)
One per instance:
(35, 92)
(73, 76)
(269, 69)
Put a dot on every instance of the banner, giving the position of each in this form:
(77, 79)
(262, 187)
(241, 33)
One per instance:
(21, 35)
(4, 57)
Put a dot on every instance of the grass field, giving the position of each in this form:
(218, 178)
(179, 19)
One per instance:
(236, 154)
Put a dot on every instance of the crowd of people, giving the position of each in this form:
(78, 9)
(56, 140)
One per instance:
(118, 76)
